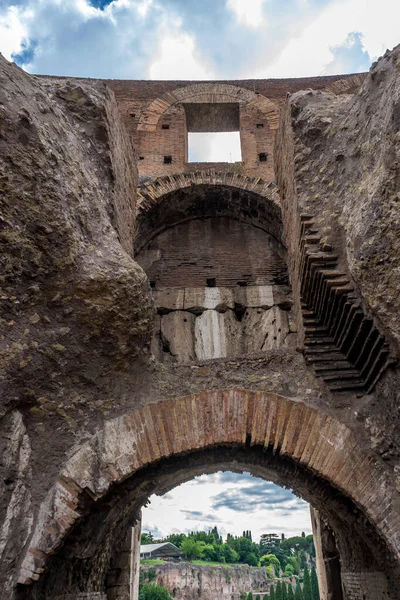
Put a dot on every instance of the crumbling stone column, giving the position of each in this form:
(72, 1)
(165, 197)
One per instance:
(123, 578)
(135, 559)
(321, 568)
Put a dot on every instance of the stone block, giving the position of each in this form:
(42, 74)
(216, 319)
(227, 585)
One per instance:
(219, 298)
(264, 329)
(217, 335)
(255, 296)
(177, 329)
(169, 299)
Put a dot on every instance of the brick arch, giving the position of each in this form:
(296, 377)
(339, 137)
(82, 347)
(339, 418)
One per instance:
(150, 193)
(211, 93)
(287, 427)
(173, 199)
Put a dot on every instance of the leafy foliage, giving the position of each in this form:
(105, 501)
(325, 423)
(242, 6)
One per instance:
(314, 584)
(271, 559)
(152, 591)
(307, 594)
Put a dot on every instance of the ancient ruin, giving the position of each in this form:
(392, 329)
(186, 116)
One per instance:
(163, 318)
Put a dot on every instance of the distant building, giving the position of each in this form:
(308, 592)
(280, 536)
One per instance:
(165, 550)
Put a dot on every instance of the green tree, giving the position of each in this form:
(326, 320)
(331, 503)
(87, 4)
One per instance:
(302, 559)
(270, 571)
(152, 591)
(298, 594)
(230, 555)
(271, 559)
(266, 597)
(272, 593)
(210, 553)
(278, 591)
(290, 593)
(258, 597)
(249, 596)
(284, 591)
(268, 543)
(292, 560)
(192, 549)
(307, 594)
(288, 570)
(176, 539)
(251, 559)
(314, 584)
(146, 538)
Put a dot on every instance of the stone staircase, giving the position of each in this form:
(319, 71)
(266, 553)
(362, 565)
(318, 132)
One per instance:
(341, 342)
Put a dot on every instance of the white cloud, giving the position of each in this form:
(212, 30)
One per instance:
(247, 12)
(309, 53)
(12, 31)
(176, 512)
(177, 58)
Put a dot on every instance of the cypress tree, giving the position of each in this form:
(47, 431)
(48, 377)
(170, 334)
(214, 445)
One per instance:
(314, 584)
(272, 593)
(258, 597)
(278, 591)
(307, 593)
(249, 596)
(266, 597)
(284, 591)
(290, 593)
(298, 595)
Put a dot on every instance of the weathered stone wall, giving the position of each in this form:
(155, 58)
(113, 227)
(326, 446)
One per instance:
(187, 581)
(89, 416)
(364, 584)
(75, 308)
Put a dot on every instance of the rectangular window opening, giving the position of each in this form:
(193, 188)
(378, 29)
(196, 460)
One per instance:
(262, 157)
(260, 125)
(167, 160)
(214, 147)
(165, 126)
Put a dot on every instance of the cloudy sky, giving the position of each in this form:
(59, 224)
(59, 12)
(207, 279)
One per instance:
(197, 39)
(233, 502)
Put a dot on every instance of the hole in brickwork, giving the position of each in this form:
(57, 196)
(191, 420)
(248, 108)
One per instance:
(242, 283)
(141, 157)
(211, 282)
(262, 157)
(214, 147)
(132, 115)
(260, 125)
(239, 310)
(165, 126)
(167, 160)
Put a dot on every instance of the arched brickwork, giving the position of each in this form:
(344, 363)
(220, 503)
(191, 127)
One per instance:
(170, 200)
(151, 192)
(231, 417)
(207, 92)
(347, 85)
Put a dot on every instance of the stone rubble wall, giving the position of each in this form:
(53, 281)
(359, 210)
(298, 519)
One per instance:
(186, 581)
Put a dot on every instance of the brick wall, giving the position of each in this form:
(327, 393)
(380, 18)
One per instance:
(365, 585)
(147, 106)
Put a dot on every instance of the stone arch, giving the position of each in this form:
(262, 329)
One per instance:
(253, 200)
(347, 85)
(150, 192)
(207, 92)
(286, 427)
